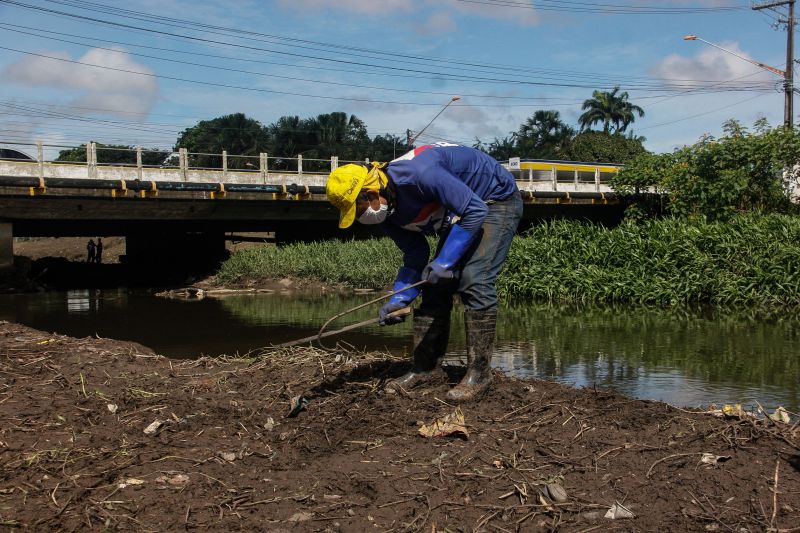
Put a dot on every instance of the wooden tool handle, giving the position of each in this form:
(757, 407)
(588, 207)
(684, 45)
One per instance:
(400, 312)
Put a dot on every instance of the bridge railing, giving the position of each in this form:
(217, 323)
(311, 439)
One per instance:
(543, 174)
(96, 161)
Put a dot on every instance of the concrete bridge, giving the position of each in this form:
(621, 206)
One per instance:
(179, 212)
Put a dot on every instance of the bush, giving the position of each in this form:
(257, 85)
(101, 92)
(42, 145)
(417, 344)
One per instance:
(717, 178)
(750, 260)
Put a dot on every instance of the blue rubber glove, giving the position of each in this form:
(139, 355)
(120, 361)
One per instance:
(453, 249)
(405, 277)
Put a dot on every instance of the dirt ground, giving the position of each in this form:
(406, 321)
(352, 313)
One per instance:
(71, 248)
(74, 248)
(97, 434)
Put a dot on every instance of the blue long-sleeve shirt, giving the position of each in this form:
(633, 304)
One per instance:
(435, 182)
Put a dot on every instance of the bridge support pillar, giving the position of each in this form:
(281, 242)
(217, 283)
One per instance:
(175, 249)
(6, 246)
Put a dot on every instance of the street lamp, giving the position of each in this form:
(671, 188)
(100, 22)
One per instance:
(776, 71)
(785, 74)
(412, 141)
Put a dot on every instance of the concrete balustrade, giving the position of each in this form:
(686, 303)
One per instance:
(531, 175)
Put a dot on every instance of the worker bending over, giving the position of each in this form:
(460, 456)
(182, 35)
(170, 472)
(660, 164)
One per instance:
(473, 203)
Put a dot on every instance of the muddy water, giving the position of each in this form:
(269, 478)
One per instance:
(686, 359)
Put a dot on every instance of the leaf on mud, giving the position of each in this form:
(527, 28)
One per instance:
(112, 407)
(228, 456)
(270, 425)
(556, 492)
(300, 517)
(178, 480)
(780, 415)
(130, 481)
(733, 411)
(711, 459)
(452, 424)
(153, 428)
(618, 511)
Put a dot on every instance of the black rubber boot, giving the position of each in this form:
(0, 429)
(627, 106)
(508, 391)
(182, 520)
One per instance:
(431, 334)
(480, 327)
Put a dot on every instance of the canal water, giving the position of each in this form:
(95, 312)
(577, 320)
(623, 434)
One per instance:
(684, 358)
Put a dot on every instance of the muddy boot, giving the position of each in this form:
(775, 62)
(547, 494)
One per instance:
(480, 328)
(431, 334)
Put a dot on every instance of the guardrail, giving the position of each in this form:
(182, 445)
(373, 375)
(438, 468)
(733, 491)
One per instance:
(531, 175)
(543, 174)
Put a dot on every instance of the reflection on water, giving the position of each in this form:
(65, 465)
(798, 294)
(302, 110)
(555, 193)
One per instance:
(78, 301)
(683, 358)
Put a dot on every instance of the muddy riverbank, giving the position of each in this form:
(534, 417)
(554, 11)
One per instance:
(96, 433)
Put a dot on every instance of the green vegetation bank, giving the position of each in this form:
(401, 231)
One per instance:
(747, 260)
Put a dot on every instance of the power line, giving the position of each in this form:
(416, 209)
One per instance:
(265, 74)
(701, 114)
(596, 7)
(437, 74)
(254, 89)
(48, 35)
(187, 25)
(183, 23)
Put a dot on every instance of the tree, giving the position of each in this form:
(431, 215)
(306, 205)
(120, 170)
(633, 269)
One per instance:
(338, 134)
(318, 139)
(500, 149)
(543, 135)
(288, 136)
(115, 153)
(237, 134)
(601, 147)
(387, 147)
(609, 108)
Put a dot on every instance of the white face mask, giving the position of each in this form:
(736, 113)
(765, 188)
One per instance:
(374, 216)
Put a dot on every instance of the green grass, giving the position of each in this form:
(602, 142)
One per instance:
(750, 260)
(370, 263)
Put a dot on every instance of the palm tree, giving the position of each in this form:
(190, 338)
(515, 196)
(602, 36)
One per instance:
(502, 149)
(543, 135)
(609, 108)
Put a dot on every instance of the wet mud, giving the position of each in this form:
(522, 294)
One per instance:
(97, 434)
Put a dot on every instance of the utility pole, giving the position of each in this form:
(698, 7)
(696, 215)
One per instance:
(788, 80)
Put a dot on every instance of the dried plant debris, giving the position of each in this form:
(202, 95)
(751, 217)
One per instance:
(452, 424)
(223, 456)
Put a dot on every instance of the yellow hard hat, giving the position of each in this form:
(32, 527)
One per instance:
(342, 189)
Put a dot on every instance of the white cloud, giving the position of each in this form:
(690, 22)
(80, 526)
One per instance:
(710, 64)
(441, 22)
(523, 15)
(97, 87)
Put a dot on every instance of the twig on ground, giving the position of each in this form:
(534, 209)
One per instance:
(649, 470)
(775, 496)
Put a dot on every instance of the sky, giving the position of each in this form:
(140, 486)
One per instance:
(139, 72)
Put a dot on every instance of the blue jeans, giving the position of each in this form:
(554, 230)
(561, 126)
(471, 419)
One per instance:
(475, 279)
